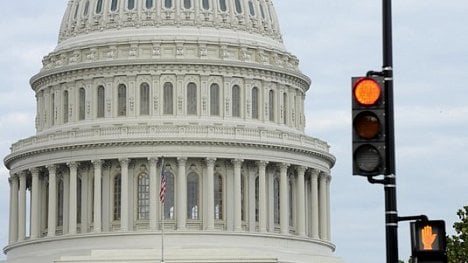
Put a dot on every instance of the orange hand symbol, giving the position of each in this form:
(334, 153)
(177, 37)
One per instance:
(428, 237)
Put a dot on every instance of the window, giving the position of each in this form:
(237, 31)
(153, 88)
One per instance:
(143, 196)
(82, 104)
(169, 200)
(191, 99)
(168, 98)
(149, 4)
(99, 7)
(257, 189)
(131, 4)
(238, 6)
(114, 4)
(86, 9)
(218, 197)
(117, 196)
(78, 200)
(206, 4)
(167, 3)
(285, 107)
(276, 200)
(243, 199)
(236, 101)
(251, 8)
(100, 102)
(291, 201)
(187, 4)
(214, 100)
(122, 100)
(222, 5)
(65, 106)
(60, 201)
(255, 103)
(193, 205)
(271, 104)
(144, 99)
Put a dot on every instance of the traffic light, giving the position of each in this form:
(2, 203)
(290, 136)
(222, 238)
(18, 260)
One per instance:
(428, 241)
(369, 121)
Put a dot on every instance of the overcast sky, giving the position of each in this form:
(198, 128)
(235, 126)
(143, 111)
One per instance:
(334, 40)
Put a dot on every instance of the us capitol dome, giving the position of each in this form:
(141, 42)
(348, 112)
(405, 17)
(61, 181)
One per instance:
(202, 91)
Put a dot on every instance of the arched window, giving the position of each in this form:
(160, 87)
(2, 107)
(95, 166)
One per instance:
(251, 8)
(131, 4)
(99, 7)
(168, 98)
(100, 101)
(271, 103)
(214, 99)
(167, 4)
(285, 107)
(117, 185)
(218, 197)
(238, 6)
(236, 101)
(144, 99)
(257, 190)
(86, 9)
(222, 5)
(143, 196)
(65, 106)
(255, 103)
(191, 99)
(122, 100)
(206, 4)
(149, 4)
(114, 5)
(76, 10)
(276, 200)
(82, 104)
(60, 200)
(193, 200)
(187, 4)
(169, 198)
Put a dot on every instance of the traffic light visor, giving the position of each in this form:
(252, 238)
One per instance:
(367, 91)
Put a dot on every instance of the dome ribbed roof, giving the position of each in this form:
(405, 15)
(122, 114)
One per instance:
(136, 19)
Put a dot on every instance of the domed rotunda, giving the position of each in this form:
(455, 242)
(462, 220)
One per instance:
(200, 92)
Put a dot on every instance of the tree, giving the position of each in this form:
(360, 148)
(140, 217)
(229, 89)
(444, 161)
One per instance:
(457, 245)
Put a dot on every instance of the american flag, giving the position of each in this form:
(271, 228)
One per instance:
(162, 189)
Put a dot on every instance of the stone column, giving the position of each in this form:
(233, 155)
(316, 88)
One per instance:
(323, 206)
(35, 202)
(284, 200)
(210, 213)
(262, 196)
(181, 207)
(22, 206)
(237, 195)
(13, 237)
(301, 208)
(73, 197)
(328, 208)
(52, 213)
(124, 195)
(154, 198)
(315, 203)
(84, 228)
(97, 214)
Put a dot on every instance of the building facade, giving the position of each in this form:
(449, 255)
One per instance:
(201, 89)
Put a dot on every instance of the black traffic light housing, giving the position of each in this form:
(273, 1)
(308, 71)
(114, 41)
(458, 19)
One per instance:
(428, 241)
(369, 126)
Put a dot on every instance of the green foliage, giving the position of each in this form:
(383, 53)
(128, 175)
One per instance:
(457, 245)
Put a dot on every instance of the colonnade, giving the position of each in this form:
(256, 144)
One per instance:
(84, 200)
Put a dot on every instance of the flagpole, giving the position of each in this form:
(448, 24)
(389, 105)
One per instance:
(162, 233)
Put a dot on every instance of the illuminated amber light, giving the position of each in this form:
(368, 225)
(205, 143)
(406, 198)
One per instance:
(367, 92)
(427, 237)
